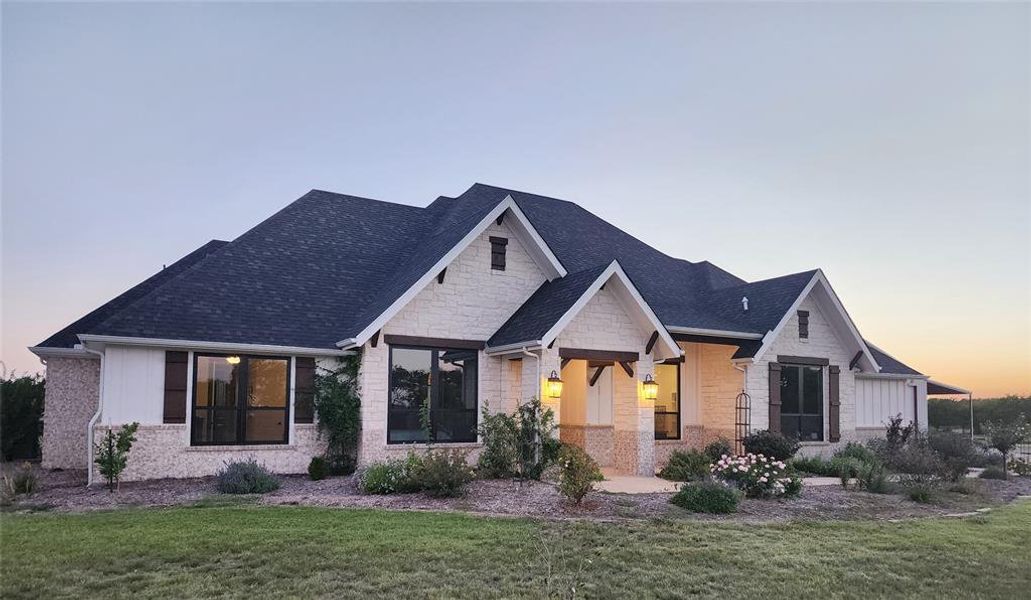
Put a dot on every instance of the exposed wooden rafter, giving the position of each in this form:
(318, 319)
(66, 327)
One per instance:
(440, 276)
(597, 374)
(626, 367)
(651, 342)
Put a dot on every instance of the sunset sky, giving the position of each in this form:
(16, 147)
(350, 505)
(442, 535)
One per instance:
(888, 144)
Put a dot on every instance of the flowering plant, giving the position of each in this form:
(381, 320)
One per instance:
(755, 474)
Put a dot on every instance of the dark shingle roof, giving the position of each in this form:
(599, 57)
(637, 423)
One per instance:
(324, 267)
(889, 364)
(68, 337)
(544, 308)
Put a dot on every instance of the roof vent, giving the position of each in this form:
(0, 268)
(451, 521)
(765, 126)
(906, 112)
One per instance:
(744, 303)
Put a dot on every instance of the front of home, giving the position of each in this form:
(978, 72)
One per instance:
(479, 302)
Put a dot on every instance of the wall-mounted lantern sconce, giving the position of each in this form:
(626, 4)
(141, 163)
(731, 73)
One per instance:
(554, 386)
(651, 388)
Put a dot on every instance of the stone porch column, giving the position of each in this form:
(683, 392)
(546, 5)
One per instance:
(634, 420)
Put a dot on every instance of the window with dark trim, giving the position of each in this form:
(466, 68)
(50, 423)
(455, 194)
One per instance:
(803, 324)
(801, 402)
(667, 403)
(497, 253)
(440, 381)
(240, 400)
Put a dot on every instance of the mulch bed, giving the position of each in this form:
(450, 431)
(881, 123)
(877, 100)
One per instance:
(64, 491)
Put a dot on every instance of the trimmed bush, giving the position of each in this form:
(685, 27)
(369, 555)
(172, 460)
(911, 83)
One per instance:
(706, 497)
(755, 475)
(398, 476)
(689, 465)
(317, 468)
(246, 477)
(814, 465)
(577, 473)
(993, 472)
(858, 452)
(718, 448)
(771, 445)
(792, 486)
(920, 492)
(444, 473)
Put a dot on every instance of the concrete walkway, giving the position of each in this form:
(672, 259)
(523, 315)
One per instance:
(619, 483)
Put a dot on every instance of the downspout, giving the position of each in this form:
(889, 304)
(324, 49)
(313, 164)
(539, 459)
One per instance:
(538, 359)
(94, 419)
(970, 400)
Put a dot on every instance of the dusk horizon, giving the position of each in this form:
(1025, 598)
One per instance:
(896, 159)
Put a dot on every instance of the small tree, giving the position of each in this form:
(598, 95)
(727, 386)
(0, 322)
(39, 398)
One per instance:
(1005, 435)
(113, 453)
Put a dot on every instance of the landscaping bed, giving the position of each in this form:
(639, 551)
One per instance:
(64, 491)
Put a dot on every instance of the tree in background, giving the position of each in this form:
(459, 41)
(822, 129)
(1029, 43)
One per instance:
(944, 413)
(1005, 435)
(21, 416)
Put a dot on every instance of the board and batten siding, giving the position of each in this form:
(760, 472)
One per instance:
(134, 385)
(880, 399)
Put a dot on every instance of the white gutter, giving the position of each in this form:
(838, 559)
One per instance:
(714, 332)
(94, 419)
(520, 347)
(215, 346)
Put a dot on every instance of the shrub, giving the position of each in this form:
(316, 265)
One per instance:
(398, 476)
(444, 473)
(577, 473)
(956, 451)
(690, 465)
(993, 472)
(246, 477)
(718, 448)
(918, 463)
(112, 453)
(858, 452)
(848, 468)
(771, 445)
(814, 465)
(706, 497)
(23, 481)
(919, 492)
(754, 474)
(897, 433)
(1020, 467)
(317, 468)
(499, 458)
(338, 407)
(873, 477)
(537, 446)
(792, 486)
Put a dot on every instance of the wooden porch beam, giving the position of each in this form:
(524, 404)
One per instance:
(626, 367)
(428, 342)
(597, 374)
(606, 355)
(651, 342)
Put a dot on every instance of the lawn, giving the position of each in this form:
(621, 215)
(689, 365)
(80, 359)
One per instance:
(250, 551)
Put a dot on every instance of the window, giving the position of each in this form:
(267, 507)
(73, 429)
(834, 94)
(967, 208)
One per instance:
(801, 397)
(445, 381)
(497, 253)
(667, 404)
(803, 324)
(240, 400)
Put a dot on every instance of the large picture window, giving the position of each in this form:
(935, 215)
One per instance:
(442, 380)
(801, 397)
(240, 400)
(667, 403)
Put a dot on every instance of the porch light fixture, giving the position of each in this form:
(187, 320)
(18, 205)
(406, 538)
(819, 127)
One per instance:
(651, 388)
(554, 386)
(233, 360)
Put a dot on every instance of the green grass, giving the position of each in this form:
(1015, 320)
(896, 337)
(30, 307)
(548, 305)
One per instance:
(252, 551)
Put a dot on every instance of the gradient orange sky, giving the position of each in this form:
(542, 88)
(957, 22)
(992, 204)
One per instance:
(888, 144)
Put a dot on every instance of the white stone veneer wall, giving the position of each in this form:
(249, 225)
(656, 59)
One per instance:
(164, 451)
(71, 397)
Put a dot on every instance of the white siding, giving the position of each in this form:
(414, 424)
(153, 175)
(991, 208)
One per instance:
(880, 399)
(134, 384)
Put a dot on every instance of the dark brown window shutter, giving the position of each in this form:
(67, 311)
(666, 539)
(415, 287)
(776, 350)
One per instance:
(175, 386)
(834, 413)
(304, 391)
(775, 397)
(497, 253)
(803, 324)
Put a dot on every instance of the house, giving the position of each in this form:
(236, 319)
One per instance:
(473, 302)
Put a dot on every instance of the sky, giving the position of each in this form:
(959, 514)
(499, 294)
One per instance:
(888, 144)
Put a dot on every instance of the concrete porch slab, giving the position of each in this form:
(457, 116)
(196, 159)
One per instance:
(617, 483)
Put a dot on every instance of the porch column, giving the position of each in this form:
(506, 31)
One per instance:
(634, 420)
